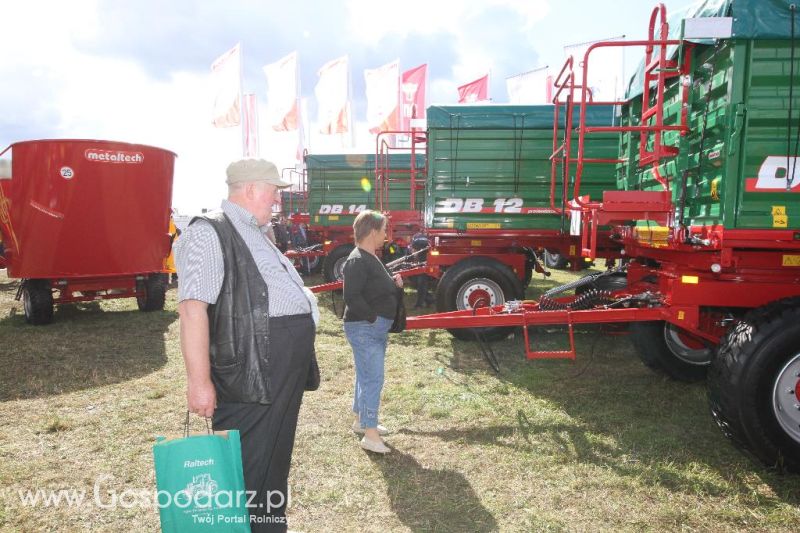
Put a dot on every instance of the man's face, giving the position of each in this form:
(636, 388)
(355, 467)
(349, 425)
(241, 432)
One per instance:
(262, 197)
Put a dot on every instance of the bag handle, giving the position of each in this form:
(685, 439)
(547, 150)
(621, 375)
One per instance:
(186, 425)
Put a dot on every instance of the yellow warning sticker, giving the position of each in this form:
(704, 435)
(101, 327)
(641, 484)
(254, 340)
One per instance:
(681, 315)
(791, 261)
(474, 243)
(692, 280)
(780, 221)
(778, 210)
(333, 217)
(572, 249)
(483, 225)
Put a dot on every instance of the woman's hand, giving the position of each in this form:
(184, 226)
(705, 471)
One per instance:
(398, 280)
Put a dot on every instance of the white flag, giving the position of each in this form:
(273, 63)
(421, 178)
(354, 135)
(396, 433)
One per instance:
(383, 97)
(534, 87)
(250, 125)
(226, 79)
(605, 74)
(333, 96)
(282, 91)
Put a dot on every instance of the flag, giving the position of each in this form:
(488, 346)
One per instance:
(226, 80)
(301, 130)
(282, 91)
(412, 94)
(250, 125)
(474, 91)
(534, 87)
(383, 94)
(333, 96)
(606, 64)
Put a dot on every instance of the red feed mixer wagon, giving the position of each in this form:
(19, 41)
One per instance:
(85, 220)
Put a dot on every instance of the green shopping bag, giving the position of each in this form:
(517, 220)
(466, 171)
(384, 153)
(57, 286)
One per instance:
(200, 482)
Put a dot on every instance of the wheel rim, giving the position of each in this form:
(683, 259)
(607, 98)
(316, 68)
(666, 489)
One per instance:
(313, 262)
(786, 398)
(26, 303)
(686, 347)
(338, 267)
(479, 292)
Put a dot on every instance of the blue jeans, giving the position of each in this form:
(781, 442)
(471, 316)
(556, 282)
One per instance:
(369, 351)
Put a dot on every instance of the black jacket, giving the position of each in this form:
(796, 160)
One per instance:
(239, 323)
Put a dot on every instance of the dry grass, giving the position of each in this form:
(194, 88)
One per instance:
(599, 444)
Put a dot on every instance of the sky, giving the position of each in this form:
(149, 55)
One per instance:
(140, 71)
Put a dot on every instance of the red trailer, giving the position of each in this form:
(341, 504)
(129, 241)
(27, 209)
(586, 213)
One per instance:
(86, 220)
(706, 214)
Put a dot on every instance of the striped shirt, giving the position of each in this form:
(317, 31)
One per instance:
(200, 265)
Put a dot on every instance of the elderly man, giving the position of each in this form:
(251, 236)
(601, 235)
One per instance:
(247, 333)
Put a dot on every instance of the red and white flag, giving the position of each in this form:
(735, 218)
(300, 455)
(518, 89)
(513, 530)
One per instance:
(412, 95)
(301, 130)
(282, 93)
(534, 87)
(250, 125)
(226, 80)
(333, 96)
(474, 91)
(383, 95)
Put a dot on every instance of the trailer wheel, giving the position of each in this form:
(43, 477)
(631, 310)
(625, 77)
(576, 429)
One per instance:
(477, 282)
(753, 384)
(555, 260)
(155, 291)
(37, 301)
(333, 264)
(669, 349)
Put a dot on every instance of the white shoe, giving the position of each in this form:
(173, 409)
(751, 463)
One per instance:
(382, 431)
(373, 446)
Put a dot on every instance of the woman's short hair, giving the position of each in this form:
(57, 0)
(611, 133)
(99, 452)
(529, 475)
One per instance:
(365, 222)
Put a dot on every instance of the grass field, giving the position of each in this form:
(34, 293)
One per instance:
(597, 444)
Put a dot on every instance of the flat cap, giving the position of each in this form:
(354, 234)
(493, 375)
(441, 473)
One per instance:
(247, 170)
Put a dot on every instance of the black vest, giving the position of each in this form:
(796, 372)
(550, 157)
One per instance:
(239, 322)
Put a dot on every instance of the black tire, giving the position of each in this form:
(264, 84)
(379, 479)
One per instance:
(555, 260)
(753, 384)
(155, 291)
(460, 284)
(334, 262)
(668, 349)
(612, 282)
(37, 301)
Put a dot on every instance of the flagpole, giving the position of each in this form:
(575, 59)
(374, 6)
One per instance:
(241, 103)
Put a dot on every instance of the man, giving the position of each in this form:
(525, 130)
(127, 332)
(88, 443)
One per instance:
(424, 299)
(247, 333)
(281, 234)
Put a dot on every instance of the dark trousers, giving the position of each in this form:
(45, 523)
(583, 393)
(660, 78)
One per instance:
(423, 283)
(267, 431)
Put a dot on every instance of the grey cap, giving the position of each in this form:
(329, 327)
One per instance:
(247, 170)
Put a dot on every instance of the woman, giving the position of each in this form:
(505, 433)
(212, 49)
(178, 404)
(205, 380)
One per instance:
(370, 297)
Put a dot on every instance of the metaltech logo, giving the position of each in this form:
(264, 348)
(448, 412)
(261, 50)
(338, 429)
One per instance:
(113, 156)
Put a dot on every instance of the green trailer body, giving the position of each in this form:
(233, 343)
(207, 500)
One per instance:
(342, 185)
(735, 165)
(489, 167)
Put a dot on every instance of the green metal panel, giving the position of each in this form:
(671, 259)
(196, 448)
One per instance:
(738, 122)
(342, 185)
(489, 167)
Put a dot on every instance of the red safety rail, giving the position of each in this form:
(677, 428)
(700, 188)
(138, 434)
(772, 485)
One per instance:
(298, 197)
(622, 206)
(385, 146)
